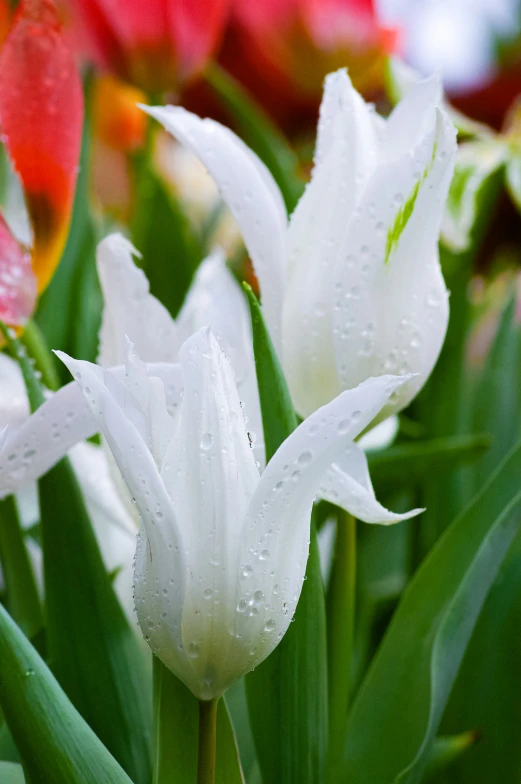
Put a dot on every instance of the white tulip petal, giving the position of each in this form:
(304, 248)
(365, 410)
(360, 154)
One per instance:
(391, 305)
(250, 192)
(103, 501)
(278, 518)
(31, 449)
(347, 484)
(210, 473)
(130, 310)
(14, 406)
(215, 300)
(114, 527)
(346, 154)
(160, 532)
(409, 121)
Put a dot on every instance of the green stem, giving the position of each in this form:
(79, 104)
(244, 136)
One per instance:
(341, 602)
(34, 342)
(207, 741)
(23, 601)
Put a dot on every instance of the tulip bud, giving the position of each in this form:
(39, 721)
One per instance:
(282, 50)
(158, 45)
(352, 288)
(41, 115)
(222, 550)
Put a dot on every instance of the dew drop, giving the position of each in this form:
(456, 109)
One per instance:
(193, 650)
(206, 441)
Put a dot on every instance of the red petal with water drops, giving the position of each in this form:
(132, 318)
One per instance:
(41, 116)
(17, 279)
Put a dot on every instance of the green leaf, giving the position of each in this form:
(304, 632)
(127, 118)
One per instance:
(11, 773)
(176, 727)
(56, 744)
(23, 601)
(161, 232)
(287, 693)
(486, 693)
(414, 670)
(406, 464)
(259, 133)
(93, 652)
(228, 766)
(278, 416)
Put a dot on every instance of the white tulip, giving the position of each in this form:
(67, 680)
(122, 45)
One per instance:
(114, 528)
(222, 549)
(352, 287)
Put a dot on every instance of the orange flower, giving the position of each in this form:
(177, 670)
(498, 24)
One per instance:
(117, 120)
(41, 116)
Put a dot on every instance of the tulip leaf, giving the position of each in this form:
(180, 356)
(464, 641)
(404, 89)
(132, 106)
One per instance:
(176, 724)
(486, 692)
(11, 773)
(259, 133)
(56, 744)
(405, 464)
(22, 594)
(278, 416)
(413, 672)
(287, 693)
(93, 652)
(161, 232)
(176, 727)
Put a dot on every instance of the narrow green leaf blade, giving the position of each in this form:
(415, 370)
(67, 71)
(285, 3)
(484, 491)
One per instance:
(406, 464)
(278, 416)
(22, 594)
(11, 773)
(259, 133)
(287, 693)
(228, 765)
(486, 692)
(176, 728)
(93, 651)
(56, 744)
(414, 670)
(170, 250)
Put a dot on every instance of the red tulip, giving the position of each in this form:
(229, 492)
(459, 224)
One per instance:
(4, 19)
(282, 49)
(17, 279)
(157, 45)
(41, 116)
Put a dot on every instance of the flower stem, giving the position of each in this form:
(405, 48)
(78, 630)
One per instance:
(341, 602)
(207, 741)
